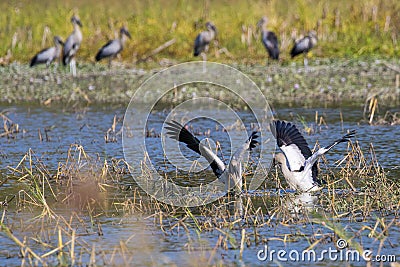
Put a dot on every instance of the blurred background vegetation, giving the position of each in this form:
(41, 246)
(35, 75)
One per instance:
(346, 29)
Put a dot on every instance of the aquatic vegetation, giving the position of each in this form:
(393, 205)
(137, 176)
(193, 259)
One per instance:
(88, 198)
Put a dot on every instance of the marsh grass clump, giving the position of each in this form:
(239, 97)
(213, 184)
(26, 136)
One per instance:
(361, 188)
(371, 109)
(11, 128)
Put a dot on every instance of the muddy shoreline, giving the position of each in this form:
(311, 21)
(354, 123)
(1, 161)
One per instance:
(324, 83)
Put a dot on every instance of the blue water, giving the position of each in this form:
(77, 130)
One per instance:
(145, 243)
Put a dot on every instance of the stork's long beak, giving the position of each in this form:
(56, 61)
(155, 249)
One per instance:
(79, 23)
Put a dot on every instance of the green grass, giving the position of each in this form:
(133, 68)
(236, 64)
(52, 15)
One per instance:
(346, 29)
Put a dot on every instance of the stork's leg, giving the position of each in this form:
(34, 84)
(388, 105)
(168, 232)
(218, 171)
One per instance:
(72, 65)
(305, 61)
(204, 57)
(238, 207)
(55, 67)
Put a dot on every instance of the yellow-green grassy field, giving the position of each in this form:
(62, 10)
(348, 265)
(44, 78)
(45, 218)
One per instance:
(346, 29)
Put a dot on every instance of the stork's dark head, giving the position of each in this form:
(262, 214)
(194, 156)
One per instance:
(279, 159)
(124, 31)
(263, 21)
(76, 20)
(313, 34)
(58, 41)
(211, 26)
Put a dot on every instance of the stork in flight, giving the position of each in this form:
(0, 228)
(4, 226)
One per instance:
(230, 175)
(299, 165)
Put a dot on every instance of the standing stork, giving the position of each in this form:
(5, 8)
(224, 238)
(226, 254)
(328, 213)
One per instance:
(203, 40)
(299, 165)
(230, 175)
(48, 55)
(304, 45)
(72, 45)
(113, 47)
(269, 39)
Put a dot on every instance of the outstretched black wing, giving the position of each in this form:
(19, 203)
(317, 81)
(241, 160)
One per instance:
(294, 146)
(178, 132)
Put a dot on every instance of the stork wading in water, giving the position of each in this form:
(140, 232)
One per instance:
(304, 45)
(202, 41)
(113, 47)
(299, 165)
(269, 39)
(48, 55)
(230, 175)
(72, 45)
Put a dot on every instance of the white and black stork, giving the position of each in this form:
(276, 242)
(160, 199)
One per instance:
(203, 40)
(230, 175)
(112, 48)
(298, 163)
(48, 55)
(72, 44)
(269, 39)
(304, 45)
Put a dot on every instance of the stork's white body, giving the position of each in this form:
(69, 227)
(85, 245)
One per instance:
(299, 165)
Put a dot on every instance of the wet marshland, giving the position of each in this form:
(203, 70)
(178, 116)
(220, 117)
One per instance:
(68, 196)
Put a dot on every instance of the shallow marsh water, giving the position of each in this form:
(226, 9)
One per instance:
(110, 233)
(148, 245)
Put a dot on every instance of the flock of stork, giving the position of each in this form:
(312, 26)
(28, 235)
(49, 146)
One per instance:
(72, 44)
(201, 44)
(298, 163)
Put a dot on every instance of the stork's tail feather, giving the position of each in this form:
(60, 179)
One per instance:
(65, 60)
(33, 61)
(98, 56)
